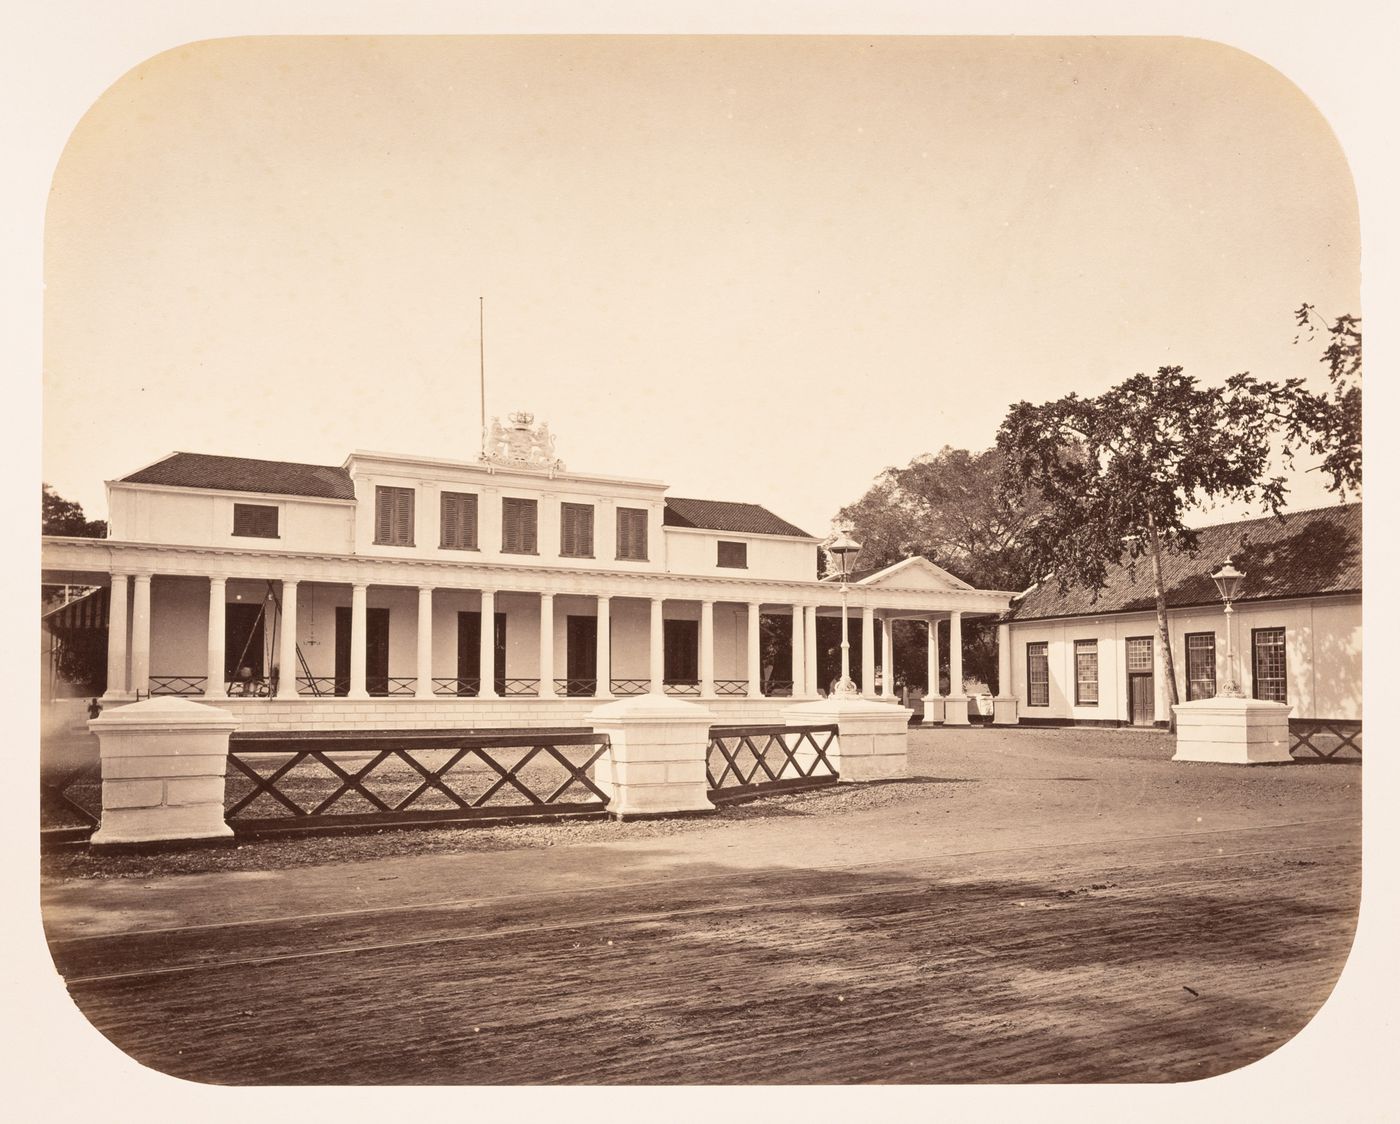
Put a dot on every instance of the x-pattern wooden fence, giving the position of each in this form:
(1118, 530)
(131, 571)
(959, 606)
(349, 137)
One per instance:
(746, 761)
(1303, 731)
(406, 778)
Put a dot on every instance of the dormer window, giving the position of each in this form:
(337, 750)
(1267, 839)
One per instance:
(733, 555)
(255, 520)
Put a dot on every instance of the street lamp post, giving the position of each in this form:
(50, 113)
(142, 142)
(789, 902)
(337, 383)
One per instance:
(842, 550)
(1227, 580)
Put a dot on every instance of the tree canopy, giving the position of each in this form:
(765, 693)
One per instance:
(64, 517)
(1331, 425)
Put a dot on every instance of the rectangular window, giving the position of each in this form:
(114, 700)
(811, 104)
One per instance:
(632, 534)
(1200, 666)
(1038, 674)
(459, 521)
(393, 516)
(734, 555)
(576, 530)
(1139, 650)
(1086, 673)
(519, 523)
(1270, 665)
(254, 521)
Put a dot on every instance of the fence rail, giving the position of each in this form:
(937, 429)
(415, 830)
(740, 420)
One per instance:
(731, 687)
(184, 685)
(1331, 739)
(70, 801)
(742, 762)
(625, 687)
(279, 782)
(576, 688)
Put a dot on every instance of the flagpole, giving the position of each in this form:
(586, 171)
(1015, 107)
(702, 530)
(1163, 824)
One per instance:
(481, 344)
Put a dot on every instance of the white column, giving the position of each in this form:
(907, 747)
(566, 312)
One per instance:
(546, 645)
(933, 661)
(811, 686)
(867, 652)
(359, 600)
(657, 649)
(603, 658)
(116, 640)
(287, 643)
(141, 633)
(955, 654)
(487, 690)
(755, 652)
(1004, 661)
(887, 658)
(799, 650)
(707, 649)
(214, 659)
(423, 689)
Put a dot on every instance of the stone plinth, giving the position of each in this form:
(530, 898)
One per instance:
(873, 739)
(1005, 710)
(933, 708)
(1233, 731)
(955, 710)
(656, 765)
(163, 764)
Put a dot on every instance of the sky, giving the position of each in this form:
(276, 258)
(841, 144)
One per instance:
(759, 269)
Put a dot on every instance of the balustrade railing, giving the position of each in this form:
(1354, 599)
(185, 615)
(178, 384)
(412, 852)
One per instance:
(626, 687)
(462, 688)
(576, 688)
(183, 685)
(729, 687)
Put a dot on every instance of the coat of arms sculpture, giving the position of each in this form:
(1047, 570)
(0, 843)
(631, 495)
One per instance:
(522, 444)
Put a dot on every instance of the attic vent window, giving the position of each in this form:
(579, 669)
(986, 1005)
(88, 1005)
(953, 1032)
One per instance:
(255, 521)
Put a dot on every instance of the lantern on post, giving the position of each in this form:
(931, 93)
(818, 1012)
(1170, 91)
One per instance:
(1227, 581)
(843, 550)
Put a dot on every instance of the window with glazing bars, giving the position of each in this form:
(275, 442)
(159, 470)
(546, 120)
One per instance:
(459, 521)
(1270, 665)
(518, 526)
(1086, 673)
(1200, 666)
(632, 534)
(734, 555)
(576, 530)
(393, 516)
(254, 521)
(1038, 674)
(1139, 652)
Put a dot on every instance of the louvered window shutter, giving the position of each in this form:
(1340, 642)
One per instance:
(632, 533)
(459, 520)
(518, 526)
(576, 530)
(383, 515)
(393, 516)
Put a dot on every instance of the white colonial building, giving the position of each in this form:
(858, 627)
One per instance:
(1072, 658)
(398, 591)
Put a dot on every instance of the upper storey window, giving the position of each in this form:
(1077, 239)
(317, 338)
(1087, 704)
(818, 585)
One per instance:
(458, 521)
(519, 526)
(254, 521)
(576, 530)
(734, 555)
(632, 534)
(393, 516)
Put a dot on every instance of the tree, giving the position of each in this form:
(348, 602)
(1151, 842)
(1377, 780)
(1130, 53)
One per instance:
(64, 517)
(1118, 473)
(951, 509)
(1331, 426)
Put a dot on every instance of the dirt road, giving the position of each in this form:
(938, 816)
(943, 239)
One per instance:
(1054, 906)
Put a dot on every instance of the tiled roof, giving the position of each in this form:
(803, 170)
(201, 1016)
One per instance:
(1304, 554)
(240, 474)
(721, 515)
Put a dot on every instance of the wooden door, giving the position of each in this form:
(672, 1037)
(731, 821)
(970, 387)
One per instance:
(469, 652)
(1141, 707)
(581, 655)
(682, 651)
(376, 650)
(243, 640)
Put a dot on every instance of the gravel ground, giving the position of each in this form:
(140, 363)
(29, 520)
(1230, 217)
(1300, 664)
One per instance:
(979, 776)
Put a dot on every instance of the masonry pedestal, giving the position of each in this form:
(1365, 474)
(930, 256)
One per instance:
(955, 711)
(933, 708)
(873, 742)
(1233, 731)
(656, 764)
(163, 765)
(1005, 710)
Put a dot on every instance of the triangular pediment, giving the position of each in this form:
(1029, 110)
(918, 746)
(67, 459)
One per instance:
(914, 573)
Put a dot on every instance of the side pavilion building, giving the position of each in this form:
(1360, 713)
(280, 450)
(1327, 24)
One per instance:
(399, 591)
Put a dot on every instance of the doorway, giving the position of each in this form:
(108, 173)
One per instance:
(1141, 694)
(243, 641)
(469, 653)
(580, 656)
(376, 650)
